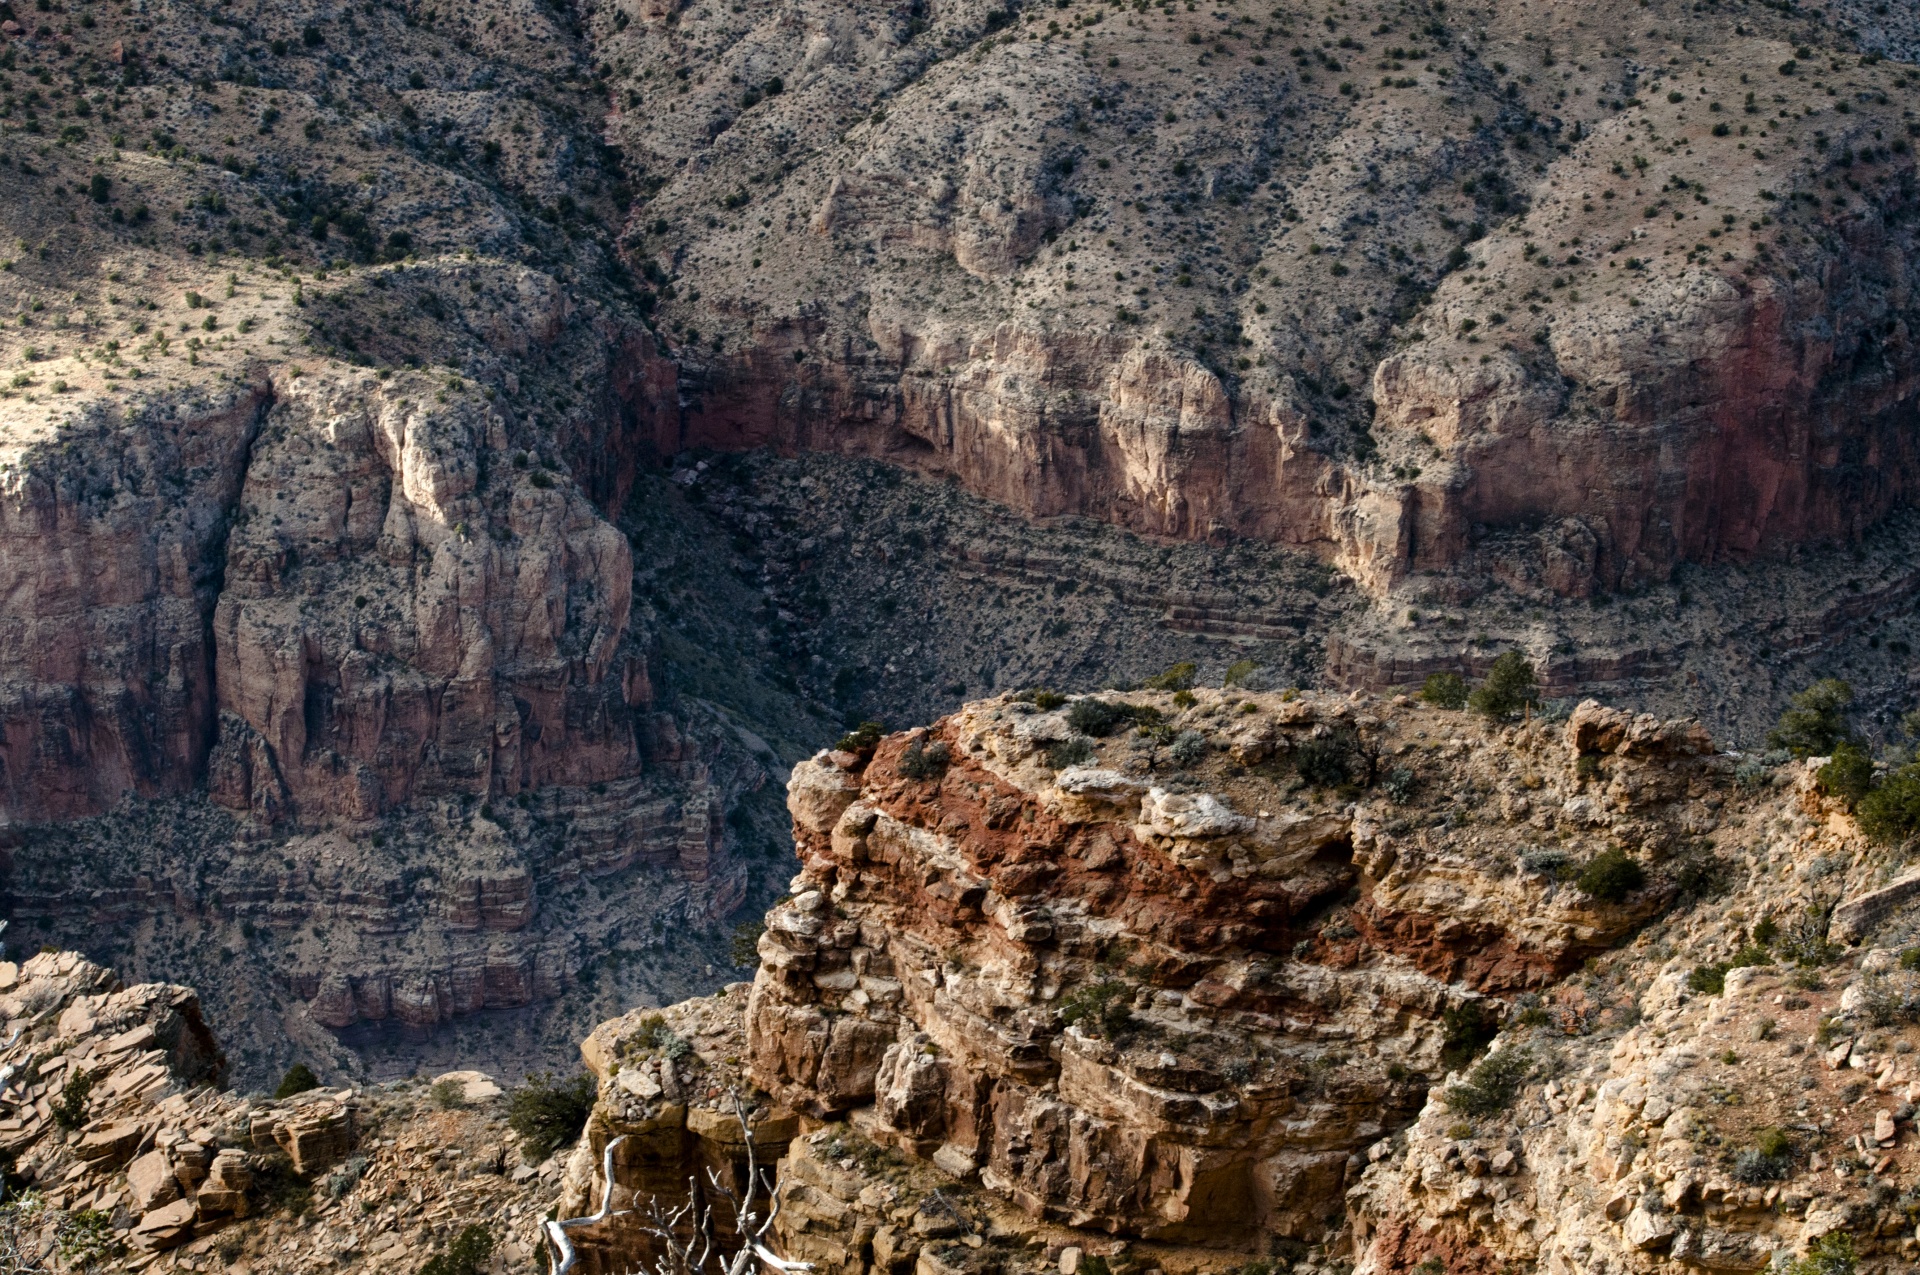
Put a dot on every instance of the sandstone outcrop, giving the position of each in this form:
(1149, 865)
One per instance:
(1160, 982)
(116, 1112)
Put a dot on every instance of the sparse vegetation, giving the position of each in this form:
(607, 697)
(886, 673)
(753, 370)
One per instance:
(549, 1114)
(1444, 690)
(1769, 1159)
(70, 1110)
(1817, 721)
(1611, 876)
(298, 1080)
(469, 1254)
(924, 761)
(1100, 1009)
(1510, 687)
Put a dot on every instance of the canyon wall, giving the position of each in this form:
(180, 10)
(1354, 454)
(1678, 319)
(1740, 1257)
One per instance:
(1563, 331)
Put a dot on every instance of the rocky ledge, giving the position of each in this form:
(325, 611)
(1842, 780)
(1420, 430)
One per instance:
(1179, 981)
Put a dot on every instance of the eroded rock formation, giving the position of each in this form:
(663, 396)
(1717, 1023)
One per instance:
(1203, 987)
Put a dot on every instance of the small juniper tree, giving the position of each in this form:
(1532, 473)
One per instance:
(1510, 687)
(1817, 721)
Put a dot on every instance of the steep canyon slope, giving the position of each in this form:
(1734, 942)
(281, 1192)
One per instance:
(453, 461)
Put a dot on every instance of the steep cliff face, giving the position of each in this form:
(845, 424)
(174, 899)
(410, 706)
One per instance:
(112, 545)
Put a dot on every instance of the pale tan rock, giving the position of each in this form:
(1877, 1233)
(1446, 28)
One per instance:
(151, 1180)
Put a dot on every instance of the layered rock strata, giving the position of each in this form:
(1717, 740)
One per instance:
(1169, 994)
(116, 1111)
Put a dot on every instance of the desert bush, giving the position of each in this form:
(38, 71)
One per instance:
(1444, 690)
(1077, 751)
(549, 1114)
(1699, 875)
(1817, 721)
(1327, 761)
(1611, 876)
(1805, 941)
(1041, 698)
(299, 1079)
(1831, 1254)
(1401, 783)
(1769, 1159)
(1189, 748)
(1891, 812)
(1178, 678)
(1547, 862)
(928, 761)
(1100, 717)
(1848, 774)
(1887, 1001)
(449, 1095)
(469, 1254)
(1510, 687)
(1492, 1084)
(863, 738)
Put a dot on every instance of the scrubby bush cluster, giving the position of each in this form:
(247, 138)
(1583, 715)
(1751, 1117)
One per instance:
(548, 1114)
(1492, 1085)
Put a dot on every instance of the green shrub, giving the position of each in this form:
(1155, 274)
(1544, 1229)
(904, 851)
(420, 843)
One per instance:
(467, 1255)
(1077, 751)
(1766, 930)
(1817, 721)
(1178, 678)
(449, 1095)
(1611, 876)
(1492, 1084)
(1099, 717)
(1848, 774)
(1510, 687)
(928, 761)
(1831, 1254)
(548, 1114)
(1444, 690)
(1710, 980)
(1238, 672)
(863, 738)
(1101, 1009)
(1041, 698)
(70, 1112)
(299, 1079)
(1891, 812)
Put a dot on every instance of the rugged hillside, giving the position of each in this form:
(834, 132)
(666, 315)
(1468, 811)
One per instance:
(1166, 993)
(1560, 297)
(400, 649)
(122, 1150)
